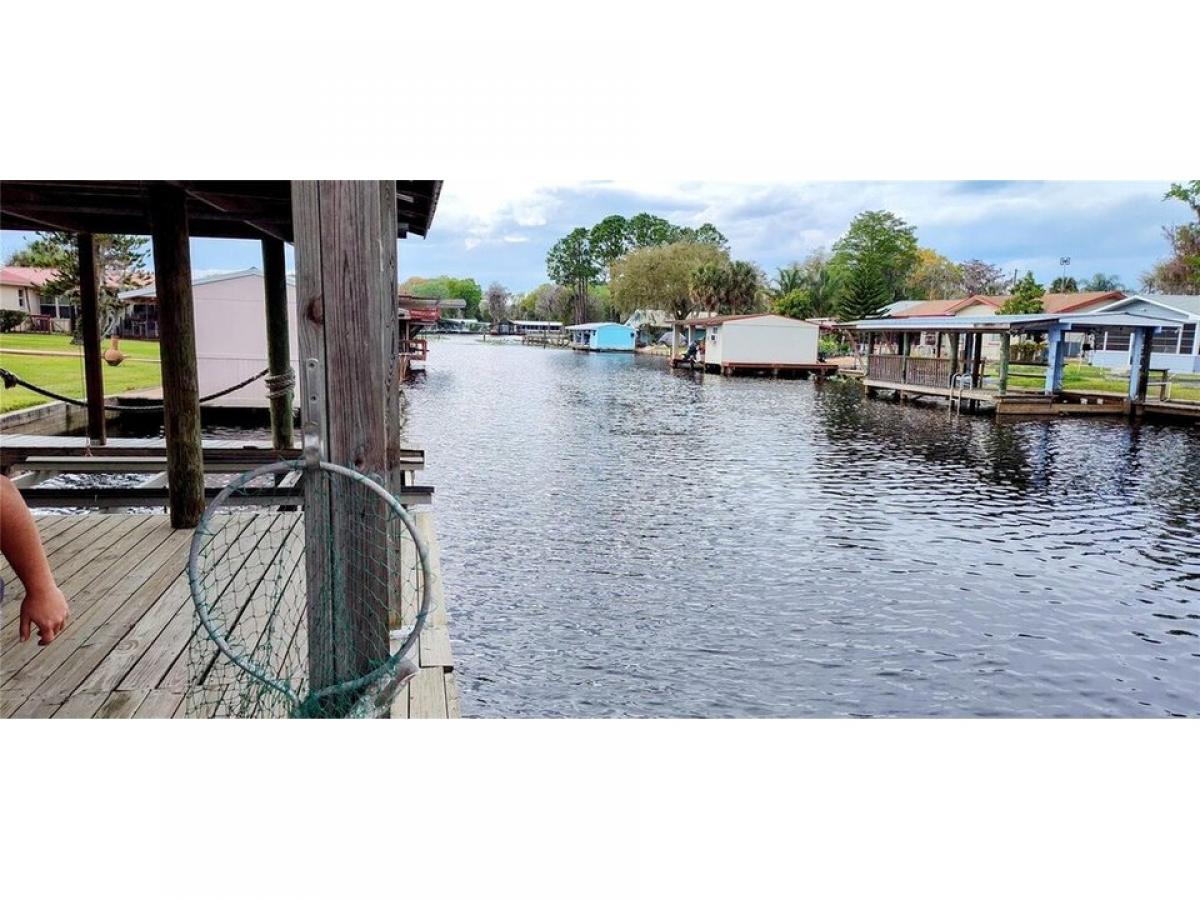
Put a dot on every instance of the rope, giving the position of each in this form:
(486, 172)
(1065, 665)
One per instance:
(11, 380)
(280, 385)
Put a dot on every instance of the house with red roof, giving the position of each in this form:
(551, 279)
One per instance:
(21, 291)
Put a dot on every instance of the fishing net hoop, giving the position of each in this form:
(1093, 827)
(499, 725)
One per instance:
(196, 580)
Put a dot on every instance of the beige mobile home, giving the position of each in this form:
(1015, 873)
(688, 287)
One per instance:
(231, 331)
(759, 341)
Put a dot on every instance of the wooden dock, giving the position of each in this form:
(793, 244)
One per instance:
(770, 370)
(125, 651)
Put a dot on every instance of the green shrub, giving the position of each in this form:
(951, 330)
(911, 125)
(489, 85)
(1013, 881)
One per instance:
(10, 319)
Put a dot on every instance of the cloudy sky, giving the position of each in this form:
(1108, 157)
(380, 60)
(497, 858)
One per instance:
(501, 230)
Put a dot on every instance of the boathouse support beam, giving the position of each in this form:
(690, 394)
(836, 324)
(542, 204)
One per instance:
(1140, 348)
(279, 353)
(953, 355)
(1055, 358)
(181, 388)
(344, 263)
(89, 313)
(1005, 347)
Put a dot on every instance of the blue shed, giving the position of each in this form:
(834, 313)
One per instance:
(602, 336)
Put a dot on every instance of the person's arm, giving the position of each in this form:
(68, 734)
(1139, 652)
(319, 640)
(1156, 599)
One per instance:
(44, 604)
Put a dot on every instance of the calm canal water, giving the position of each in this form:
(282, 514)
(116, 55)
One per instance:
(621, 540)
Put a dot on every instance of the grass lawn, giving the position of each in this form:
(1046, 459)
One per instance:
(1078, 377)
(61, 343)
(64, 374)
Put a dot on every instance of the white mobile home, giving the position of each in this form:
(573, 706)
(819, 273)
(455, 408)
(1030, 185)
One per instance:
(759, 341)
(231, 332)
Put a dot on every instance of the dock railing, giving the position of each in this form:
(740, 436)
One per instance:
(919, 371)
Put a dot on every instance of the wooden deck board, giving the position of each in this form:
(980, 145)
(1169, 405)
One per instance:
(60, 669)
(89, 575)
(159, 705)
(124, 653)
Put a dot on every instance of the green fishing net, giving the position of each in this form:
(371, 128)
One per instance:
(310, 586)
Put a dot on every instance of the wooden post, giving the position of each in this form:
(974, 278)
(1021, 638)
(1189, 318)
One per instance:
(89, 310)
(953, 355)
(1140, 349)
(343, 263)
(181, 391)
(279, 351)
(904, 348)
(1055, 356)
(977, 361)
(1005, 341)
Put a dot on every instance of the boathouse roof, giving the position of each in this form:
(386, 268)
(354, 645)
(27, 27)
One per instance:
(226, 209)
(1000, 324)
(593, 326)
(721, 320)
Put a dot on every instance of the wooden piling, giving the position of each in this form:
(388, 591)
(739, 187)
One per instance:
(1005, 343)
(279, 354)
(89, 311)
(181, 390)
(343, 262)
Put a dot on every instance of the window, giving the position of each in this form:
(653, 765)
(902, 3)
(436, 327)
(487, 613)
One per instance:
(21, 297)
(1187, 340)
(1116, 339)
(1166, 341)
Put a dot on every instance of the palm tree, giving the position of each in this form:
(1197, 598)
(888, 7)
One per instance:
(708, 287)
(823, 289)
(790, 278)
(742, 287)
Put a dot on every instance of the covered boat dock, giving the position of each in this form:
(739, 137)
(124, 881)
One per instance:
(942, 356)
(124, 651)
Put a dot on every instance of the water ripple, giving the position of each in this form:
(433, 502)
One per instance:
(621, 540)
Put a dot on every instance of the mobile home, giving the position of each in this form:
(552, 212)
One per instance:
(231, 331)
(762, 341)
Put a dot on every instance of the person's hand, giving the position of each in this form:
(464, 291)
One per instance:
(47, 609)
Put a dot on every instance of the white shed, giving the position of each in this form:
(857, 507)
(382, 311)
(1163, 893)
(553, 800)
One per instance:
(759, 340)
(231, 332)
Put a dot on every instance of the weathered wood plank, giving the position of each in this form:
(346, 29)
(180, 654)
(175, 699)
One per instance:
(435, 637)
(95, 567)
(400, 703)
(80, 706)
(453, 705)
(427, 695)
(159, 705)
(164, 649)
(35, 708)
(120, 704)
(65, 663)
(184, 669)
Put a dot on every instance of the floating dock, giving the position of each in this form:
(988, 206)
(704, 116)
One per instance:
(125, 650)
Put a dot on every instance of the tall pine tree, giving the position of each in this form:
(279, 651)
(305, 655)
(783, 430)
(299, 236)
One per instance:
(865, 292)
